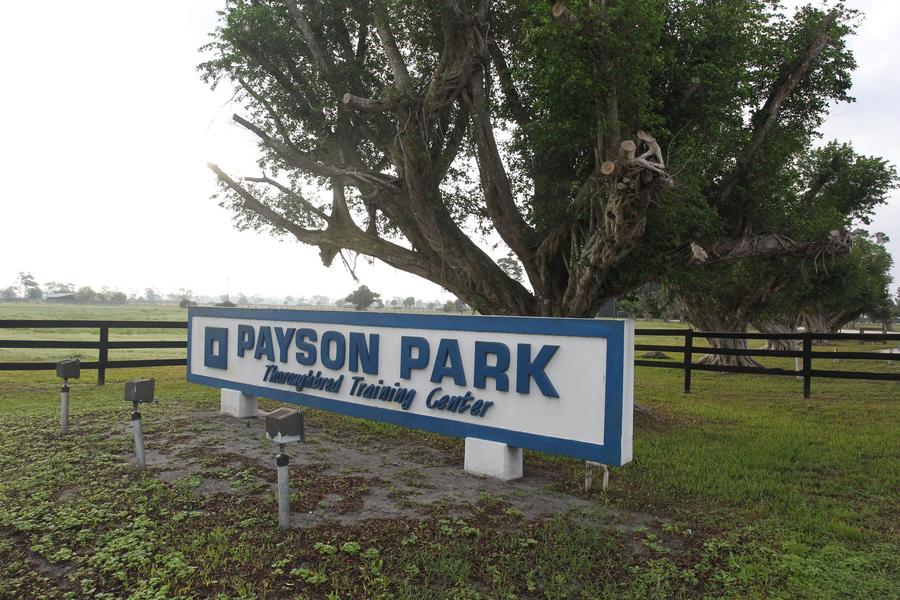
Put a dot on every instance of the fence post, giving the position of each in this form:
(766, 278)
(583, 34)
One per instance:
(807, 364)
(688, 347)
(104, 355)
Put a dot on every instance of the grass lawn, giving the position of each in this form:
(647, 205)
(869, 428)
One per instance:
(128, 312)
(741, 490)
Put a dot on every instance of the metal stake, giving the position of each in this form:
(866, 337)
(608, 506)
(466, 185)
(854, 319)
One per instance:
(64, 407)
(138, 438)
(284, 492)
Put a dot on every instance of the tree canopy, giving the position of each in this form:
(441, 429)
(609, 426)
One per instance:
(606, 143)
(840, 291)
(836, 189)
(362, 297)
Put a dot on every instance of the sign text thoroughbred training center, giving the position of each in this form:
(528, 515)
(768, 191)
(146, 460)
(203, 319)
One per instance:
(562, 386)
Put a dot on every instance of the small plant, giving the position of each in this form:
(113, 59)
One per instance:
(527, 542)
(325, 549)
(370, 554)
(351, 548)
(278, 566)
(309, 576)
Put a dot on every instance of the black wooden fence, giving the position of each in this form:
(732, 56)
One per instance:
(102, 344)
(807, 354)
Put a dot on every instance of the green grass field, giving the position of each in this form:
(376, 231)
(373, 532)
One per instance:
(739, 490)
(166, 313)
(127, 312)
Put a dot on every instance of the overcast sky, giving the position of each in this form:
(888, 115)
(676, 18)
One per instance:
(107, 129)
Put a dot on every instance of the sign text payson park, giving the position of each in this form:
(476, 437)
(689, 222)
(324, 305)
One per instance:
(556, 385)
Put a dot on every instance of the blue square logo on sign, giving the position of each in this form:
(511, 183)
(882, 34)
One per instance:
(215, 347)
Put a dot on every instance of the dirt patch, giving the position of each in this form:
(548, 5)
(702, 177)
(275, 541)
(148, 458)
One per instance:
(345, 478)
(57, 570)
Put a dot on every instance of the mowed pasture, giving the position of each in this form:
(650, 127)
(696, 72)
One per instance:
(741, 489)
(139, 312)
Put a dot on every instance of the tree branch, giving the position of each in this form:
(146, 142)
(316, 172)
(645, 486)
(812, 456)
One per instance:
(791, 76)
(320, 57)
(338, 235)
(279, 124)
(402, 79)
(462, 55)
(304, 106)
(616, 223)
(837, 242)
(499, 200)
(294, 195)
(508, 86)
(444, 158)
(367, 105)
(310, 236)
(312, 165)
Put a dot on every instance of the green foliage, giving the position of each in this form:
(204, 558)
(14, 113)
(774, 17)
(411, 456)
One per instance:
(805, 511)
(457, 306)
(30, 288)
(705, 78)
(842, 289)
(836, 189)
(652, 301)
(85, 295)
(511, 265)
(323, 548)
(362, 297)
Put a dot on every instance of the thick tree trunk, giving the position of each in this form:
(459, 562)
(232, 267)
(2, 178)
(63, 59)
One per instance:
(779, 327)
(728, 360)
(717, 324)
(824, 322)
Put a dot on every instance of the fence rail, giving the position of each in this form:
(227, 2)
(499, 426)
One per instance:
(806, 354)
(103, 344)
(687, 364)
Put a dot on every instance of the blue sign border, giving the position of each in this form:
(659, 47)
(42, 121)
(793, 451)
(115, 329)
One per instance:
(610, 452)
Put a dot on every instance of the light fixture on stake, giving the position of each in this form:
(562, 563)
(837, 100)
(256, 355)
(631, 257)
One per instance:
(284, 426)
(66, 370)
(139, 391)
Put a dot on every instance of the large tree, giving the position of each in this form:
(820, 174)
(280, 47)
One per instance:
(825, 296)
(835, 189)
(841, 291)
(29, 286)
(362, 297)
(605, 142)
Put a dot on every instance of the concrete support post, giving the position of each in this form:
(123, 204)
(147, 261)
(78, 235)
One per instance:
(237, 404)
(493, 459)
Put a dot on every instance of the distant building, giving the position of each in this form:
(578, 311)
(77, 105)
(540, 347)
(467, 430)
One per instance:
(62, 298)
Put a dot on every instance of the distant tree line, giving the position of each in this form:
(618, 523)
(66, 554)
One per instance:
(28, 288)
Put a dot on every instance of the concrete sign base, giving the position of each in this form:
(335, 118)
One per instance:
(237, 404)
(493, 459)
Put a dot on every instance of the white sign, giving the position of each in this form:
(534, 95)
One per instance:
(557, 385)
